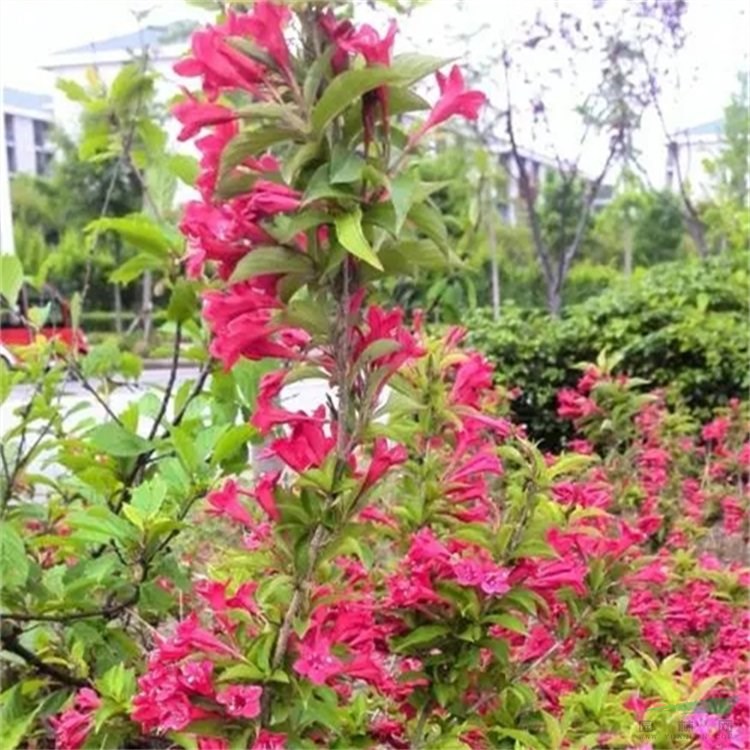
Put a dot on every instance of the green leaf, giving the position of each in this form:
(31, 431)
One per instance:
(412, 66)
(346, 165)
(11, 277)
(74, 91)
(402, 100)
(242, 673)
(271, 259)
(250, 143)
(137, 230)
(307, 314)
(348, 87)
(407, 257)
(185, 445)
(378, 348)
(15, 718)
(570, 463)
(231, 441)
(315, 75)
(403, 191)
(39, 315)
(76, 309)
(149, 496)
(183, 303)
(300, 158)
(99, 524)
(289, 227)
(134, 267)
(129, 82)
(320, 187)
(154, 140)
(351, 236)
(117, 683)
(184, 167)
(345, 89)
(115, 440)
(526, 739)
(258, 110)
(421, 636)
(430, 222)
(13, 561)
(509, 622)
(235, 183)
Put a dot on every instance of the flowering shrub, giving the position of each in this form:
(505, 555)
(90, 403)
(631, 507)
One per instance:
(413, 571)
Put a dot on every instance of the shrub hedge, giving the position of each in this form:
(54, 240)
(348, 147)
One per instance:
(680, 326)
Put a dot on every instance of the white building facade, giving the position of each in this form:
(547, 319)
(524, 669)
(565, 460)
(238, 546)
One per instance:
(688, 155)
(27, 121)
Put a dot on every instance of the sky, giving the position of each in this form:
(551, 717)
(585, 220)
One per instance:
(716, 49)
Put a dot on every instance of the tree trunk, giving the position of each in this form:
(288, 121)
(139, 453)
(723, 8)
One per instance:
(495, 270)
(628, 255)
(117, 300)
(697, 233)
(117, 290)
(554, 297)
(147, 306)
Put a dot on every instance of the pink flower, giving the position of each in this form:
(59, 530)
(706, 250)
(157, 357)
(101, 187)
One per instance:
(212, 743)
(263, 492)
(454, 100)
(638, 705)
(473, 379)
(307, 446)
(226, 502)
(269, 741)
(196, 676)
(538, 642)
(270, 198)
(572, 405)
(195, 116)
(73, 725)
(218, 63)
(336, 31)
(383, 459)
(241, 701)
(266, 25)
(491, 579)
(716, 431)
(367, 42)
(316, 662)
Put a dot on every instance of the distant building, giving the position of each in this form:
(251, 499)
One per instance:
(27, 119)
(538, 168)
(164, 45)
(687, 154)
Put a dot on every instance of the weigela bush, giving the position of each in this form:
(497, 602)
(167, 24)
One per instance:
(413, 572)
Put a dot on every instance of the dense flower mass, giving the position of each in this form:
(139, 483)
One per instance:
(412, 571)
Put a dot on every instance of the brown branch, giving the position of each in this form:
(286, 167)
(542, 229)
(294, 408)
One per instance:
(528, 194)
(572, 250)
(696, 226)
(11, 644)
(107, 612)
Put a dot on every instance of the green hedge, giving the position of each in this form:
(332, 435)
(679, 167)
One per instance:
(682, 326)
(104, 320)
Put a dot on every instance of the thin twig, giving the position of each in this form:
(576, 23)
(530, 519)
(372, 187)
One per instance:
(170, 382)
(107, 612)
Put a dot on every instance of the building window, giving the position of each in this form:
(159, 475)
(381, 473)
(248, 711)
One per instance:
(41, 131)
(43, 158)
(12, 166)
(10, 133)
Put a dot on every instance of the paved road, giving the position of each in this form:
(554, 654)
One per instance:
(306, 394)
